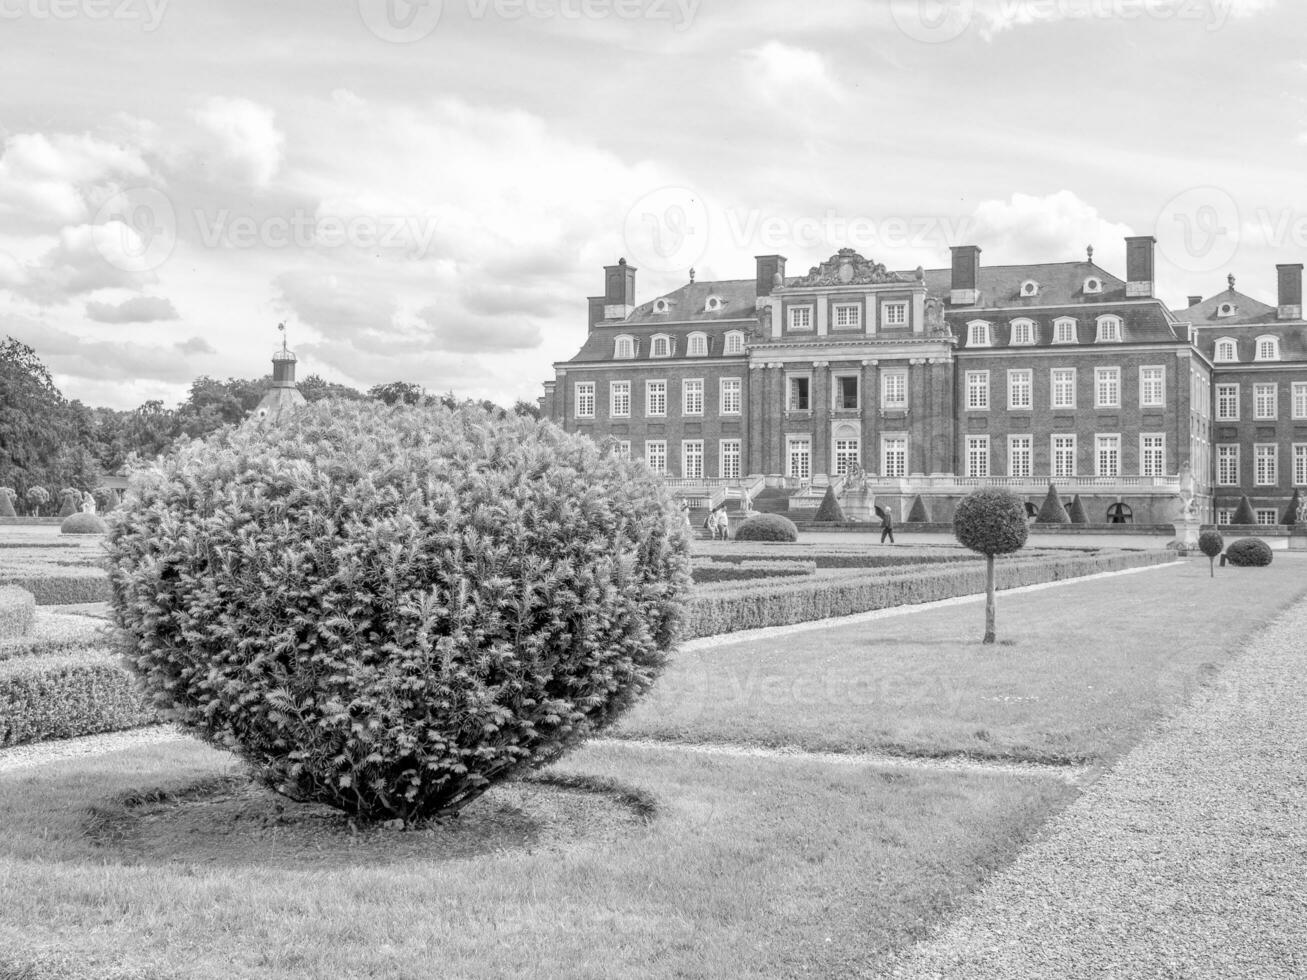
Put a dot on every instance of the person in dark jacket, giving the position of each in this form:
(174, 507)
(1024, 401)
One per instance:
(886, 525)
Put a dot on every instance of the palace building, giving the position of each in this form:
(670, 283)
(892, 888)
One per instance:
(933, 382)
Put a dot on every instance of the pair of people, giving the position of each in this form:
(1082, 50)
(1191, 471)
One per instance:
(719, 524)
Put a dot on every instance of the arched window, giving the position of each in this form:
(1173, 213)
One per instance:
(1268, 349)
(661, 346)
(1064, 330)
(1023, 332)
(978, 334)
(1227, 350)
(624, 348)
(696, 345)
(735, 342)
(1109, 329)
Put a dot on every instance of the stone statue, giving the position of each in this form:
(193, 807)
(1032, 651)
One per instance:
(88, 504)
(1187, 511)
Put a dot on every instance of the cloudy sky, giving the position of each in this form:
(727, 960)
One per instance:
(427, 191)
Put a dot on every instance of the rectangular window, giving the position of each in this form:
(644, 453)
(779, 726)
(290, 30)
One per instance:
(798, 400)
(1064, 387)
(1266, 469)
(1107, 455)
(894, 456)
(731, 398)
(1107, 387)
(846, 393)
(1264, 398)
(655, 455)
(1152, 387)
(730, 452)
(619, 399)
(848, 454)
(692, 396)
(1227, 403)
(1152, 454)
(1224, 515)
(1020, 456)
(1227, 465)
(848, 316)
(1300, 464)
(800, 317)
(585, 399)
(1019, 386)
(977, 391)
(1064, 455)
(692, 459)
(894, 389)
(1300, 399)
(896, 314)
(978, 456)
(655, 398)
(800, 457)
(624, 448)
(1267, 518)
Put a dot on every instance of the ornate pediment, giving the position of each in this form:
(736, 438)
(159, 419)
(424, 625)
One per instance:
(847, 268)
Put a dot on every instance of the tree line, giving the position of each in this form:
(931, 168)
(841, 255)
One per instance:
(50, 442)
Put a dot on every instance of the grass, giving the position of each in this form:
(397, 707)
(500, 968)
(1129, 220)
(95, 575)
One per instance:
(748, 867)
(1080, 674)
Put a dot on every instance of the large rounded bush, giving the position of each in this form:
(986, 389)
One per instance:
(389, 609)
(991, 522)
(83, 524)
(767, 527)
(1249, 553)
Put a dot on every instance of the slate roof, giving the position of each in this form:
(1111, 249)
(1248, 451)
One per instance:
(1247, 310)
(1141, 323)
(1292, 336)
(689, 303)
(1060, 284)
(599, 345)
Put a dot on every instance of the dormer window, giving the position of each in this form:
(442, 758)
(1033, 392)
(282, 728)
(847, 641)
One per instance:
(1226, 309)
(1064, 330)
(713, 305)
(696, 345)
(735, 342)
(661, 346)
(978, 334)
(1023, 332)
(1268, 349)
(1227, 350)
(1109, 329)
(1029, 288)
(624, 348)
(1093, 285)
(662, 306)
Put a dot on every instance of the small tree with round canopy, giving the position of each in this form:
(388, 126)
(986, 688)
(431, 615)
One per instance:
(1210, 543)
(991, 522)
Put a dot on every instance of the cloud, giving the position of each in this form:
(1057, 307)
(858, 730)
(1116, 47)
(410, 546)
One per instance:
(451, 331)
(240, 139)
(338, 305)
(787, 73)
(998, 16)
(48, 181)
(68, 354)
(75, 266)
(138, 309)
(194, 345)
(1053, 228)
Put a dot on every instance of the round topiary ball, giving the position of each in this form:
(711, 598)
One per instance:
(387, 610)
(767, 527)
(1249, 553)
(83, 524)
(991, 522)
(17, 612)
(1210, 543)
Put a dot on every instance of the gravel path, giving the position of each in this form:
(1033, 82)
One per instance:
(1189, 860)
(40, 753)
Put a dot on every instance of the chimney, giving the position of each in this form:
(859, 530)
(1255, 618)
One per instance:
(1290, 291)
(1194, 301)
(769, 267)
(619, 290)
(596, 309)
(1139, 266)
(966, 275)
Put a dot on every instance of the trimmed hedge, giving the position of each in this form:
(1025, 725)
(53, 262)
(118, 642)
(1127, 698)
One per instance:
(727, 610)
(850, 559)
(1249, 553)
(67, 696)
(52, 634)
(735, 571)
(17, 610)
(83, 524)
(767, 527)
(54, 590)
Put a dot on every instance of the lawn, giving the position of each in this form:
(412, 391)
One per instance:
(1080, 674)
(747, 867)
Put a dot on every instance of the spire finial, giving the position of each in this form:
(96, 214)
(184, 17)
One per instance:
(692, 274)
(1230, 280)
(1090, 252)
(282, 328)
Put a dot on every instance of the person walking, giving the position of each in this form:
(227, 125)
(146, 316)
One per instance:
(723, 523)
(886, 525)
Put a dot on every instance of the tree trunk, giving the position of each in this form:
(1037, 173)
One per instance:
(989, 599)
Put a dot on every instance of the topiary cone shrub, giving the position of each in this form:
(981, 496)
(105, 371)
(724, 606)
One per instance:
(1243, 514)
(830, 510)
(1249, 553)
(1210, 543)
(1052, 512)
(7, 497)
(1078, 515)
(83, 524)
(767, 527)
(991, 522)
(388, 610)
(72, 500)
(918, 514)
